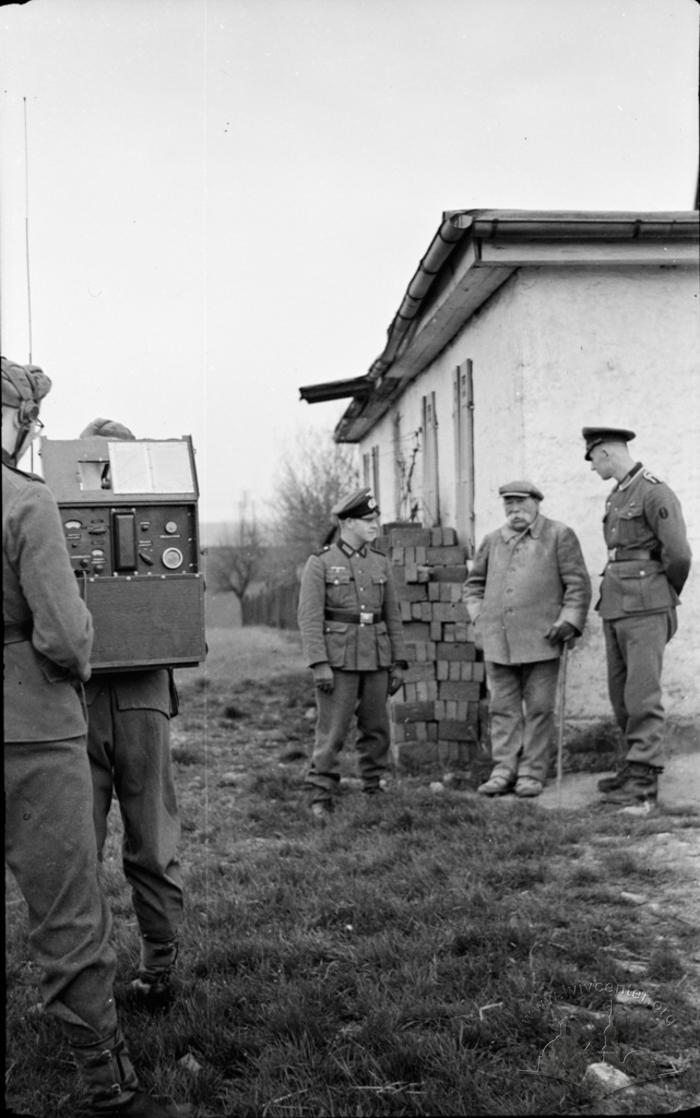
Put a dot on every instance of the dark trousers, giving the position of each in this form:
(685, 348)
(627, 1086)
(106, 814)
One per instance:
(50, 849)
(354, 693)
(634, 647)
(129, 754)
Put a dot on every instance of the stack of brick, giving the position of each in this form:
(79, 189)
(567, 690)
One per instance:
(437, 713)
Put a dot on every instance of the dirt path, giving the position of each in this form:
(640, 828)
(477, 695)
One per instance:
(669, 909)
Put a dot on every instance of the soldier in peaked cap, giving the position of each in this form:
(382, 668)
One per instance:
(648, 563)
(49, 835)
(353, 642)
(527, 594)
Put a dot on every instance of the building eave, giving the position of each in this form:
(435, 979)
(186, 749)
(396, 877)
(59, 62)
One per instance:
(470, 256)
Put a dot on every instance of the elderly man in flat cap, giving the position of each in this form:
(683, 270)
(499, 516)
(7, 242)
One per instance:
(649, 560)
(129, 716)
(527, 593)
(49, 834)
(352, 637)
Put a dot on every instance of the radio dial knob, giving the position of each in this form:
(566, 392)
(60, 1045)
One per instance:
(172, 558)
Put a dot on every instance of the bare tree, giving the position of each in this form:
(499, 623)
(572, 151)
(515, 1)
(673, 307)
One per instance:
(238, 558)
(312, 479)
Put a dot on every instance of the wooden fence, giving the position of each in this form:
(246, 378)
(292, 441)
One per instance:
(275, 606)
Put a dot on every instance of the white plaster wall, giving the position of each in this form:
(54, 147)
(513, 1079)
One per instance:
(554, 350)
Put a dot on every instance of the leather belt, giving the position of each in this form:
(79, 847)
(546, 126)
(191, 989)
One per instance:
(15, 634)
(365, 617)
(619, 554)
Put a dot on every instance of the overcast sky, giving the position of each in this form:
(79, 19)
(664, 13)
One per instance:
(228, 198)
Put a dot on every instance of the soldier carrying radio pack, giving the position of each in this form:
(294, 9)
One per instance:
(129, 749)
(49, 834)
(648, 563)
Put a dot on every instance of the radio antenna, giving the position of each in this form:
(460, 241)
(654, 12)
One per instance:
(26, 228)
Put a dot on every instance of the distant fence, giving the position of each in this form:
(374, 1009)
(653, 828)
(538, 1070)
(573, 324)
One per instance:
(275, 606)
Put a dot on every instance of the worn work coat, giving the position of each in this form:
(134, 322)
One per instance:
(48, 629)
(648, 546)
(355, 583)
(522, 583)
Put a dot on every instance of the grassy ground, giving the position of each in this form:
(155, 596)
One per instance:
(434, 955)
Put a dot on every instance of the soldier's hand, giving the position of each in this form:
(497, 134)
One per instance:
(562, 633)
(395, 679)
(323, 677)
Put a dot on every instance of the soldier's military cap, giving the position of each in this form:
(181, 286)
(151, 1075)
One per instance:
(594, 436)
(22, 384)
(356, 505)
(520, 489)
(107, 429)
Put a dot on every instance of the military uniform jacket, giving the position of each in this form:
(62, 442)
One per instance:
(48, 629)
(353, 582)
(522, 583)
(648, 546)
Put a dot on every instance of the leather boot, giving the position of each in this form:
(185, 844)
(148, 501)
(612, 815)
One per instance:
(113, 1086)
(612, 783)
(637, 784)
(155, 988)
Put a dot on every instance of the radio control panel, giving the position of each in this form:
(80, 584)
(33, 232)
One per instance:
(105, 540)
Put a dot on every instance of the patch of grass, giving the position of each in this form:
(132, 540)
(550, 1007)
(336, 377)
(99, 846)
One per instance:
(409, 959)
(593, 749)
(665, 963)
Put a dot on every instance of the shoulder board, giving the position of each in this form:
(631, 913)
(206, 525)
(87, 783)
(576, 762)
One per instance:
(378, 551)
(651, 477)
(323, 550)
(24, 473)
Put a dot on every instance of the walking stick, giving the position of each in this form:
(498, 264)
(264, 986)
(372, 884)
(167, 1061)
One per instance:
(562, 714)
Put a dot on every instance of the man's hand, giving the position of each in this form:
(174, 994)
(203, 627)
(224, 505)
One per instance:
(562, 633)
(395, 679)
(323, 677)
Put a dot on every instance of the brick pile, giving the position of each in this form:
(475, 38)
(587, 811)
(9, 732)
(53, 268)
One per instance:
(437, 714)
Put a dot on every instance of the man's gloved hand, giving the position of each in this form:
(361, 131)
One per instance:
(323, 677)
(395, 679)
(562, 633)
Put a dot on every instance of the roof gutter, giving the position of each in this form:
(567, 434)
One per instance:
(439, 249)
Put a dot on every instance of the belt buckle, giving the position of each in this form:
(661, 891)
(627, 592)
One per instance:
(366, 617)
(611, 554)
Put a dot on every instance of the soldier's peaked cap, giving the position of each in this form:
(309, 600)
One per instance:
(23, 383)
(594, 436)
(520, 489)
(357, 504)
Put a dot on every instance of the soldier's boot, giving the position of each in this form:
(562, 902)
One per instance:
(612, 783)
(637, 784)
(113, 1086)
(155, 987)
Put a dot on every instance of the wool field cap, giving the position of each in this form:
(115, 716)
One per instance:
(107, 429)
(594, 436)
(23, 383)
(520, 489)
(358, 504)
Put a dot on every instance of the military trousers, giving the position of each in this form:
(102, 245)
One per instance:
(50, 849)
(363, 694)
(634, 647)
(521, 716)
(129, 753)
